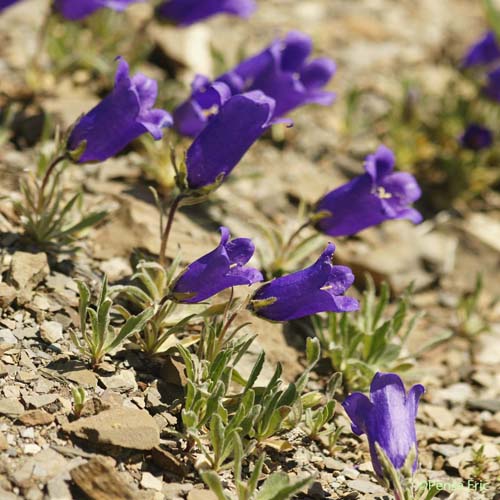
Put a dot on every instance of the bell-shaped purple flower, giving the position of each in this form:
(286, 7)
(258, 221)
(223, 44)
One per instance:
(7, 3)
(484, 51)
(186, 12)
(371, 198)
(227, 137)
(122, 116)
(222, 268)
(387, 418)
(282, 71)
(492, 89)
(476, 137)
(318, 288)
(206, 100)
(76, 10)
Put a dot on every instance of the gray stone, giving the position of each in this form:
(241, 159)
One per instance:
(27, 270)
(350, 473)
(51, 331)
(333, 464)
(99, 480)
(42, 467)
(122, 381)
(36, 417)
(58, 489)
(38, 401)
(7, 294)
(124, 427)
(31, 449)
(84, 377)
(7, 337)
(492, 405)
(11, 407)
(172, 490)
(150, 482)
(366, 487)
(196, 494)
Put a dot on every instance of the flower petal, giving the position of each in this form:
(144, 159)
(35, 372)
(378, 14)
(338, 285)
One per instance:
(380, 164)
(484, 51)
(358, 407)
(296, 49)
(186, 12)
(227, 137)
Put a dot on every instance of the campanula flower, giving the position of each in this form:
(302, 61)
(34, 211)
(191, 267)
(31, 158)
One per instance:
(371, 198)
(492, 89)
(75, 10)
(318, 288)
(7, 3)
(222, 268)
(123, 115)
(206, 100)
(476, 137)
(387, 418)
(186, 12)
(227, 137)
(484, 51)
(282, 71)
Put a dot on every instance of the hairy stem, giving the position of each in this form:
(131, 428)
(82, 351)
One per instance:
(166, 233)
(46, 177)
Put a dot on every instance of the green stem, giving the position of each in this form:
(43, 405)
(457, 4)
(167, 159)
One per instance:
(286, 247)
(46, 178)
(164, 239)
(294, 236)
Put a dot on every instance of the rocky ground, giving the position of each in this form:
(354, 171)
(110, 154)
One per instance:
(123, 444)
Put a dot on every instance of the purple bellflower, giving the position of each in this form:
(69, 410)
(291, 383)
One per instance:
(206, 100)
(318, 288)
(282, 71)
(222, 268)
(7, 3)
(492, 89)
(76, 10)
(227, 137)
(387, 418)
(484, 51)
(371, 198)
(186, 12)
(122, 116)
(476, 137)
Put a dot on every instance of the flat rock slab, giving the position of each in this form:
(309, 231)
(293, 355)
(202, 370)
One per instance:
(11, 407)
(123, 427)
(36, 417)
(28, 269)
(99, 481)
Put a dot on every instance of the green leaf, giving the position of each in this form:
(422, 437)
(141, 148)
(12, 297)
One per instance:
(289, 396)
(86, 222)
(216, 434)
(439, 339)
(83, 304)
(381, 305)
(254, 478)
(492, 16)
(278, 486)
(188, 361)
(212, 480)
(256, 370)
(238, 457)
(103, 319)
(313, 352)
(132, 325)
